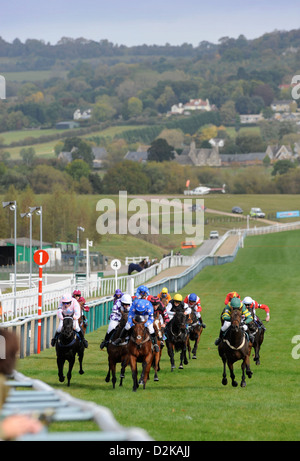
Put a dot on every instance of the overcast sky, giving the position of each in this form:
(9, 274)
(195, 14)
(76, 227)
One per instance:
(135, 22)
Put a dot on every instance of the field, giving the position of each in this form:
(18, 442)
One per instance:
(192, 404)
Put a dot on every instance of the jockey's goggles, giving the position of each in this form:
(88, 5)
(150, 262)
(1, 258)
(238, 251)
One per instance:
(248, 305)
(67, 302)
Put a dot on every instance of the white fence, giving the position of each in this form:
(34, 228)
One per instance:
(26, 301)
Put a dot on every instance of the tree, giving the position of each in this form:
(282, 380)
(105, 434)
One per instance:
(78, 169)
(282, 167)
(80, 149)
(135, 107)
(28, 155)
(160, 151)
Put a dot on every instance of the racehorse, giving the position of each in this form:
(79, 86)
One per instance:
(258, 340)
(157, 355)
(140, 350)
(195, 330)
(233, 347)
(68, 345)
(136, 267)
(177, 336)
(117, 353)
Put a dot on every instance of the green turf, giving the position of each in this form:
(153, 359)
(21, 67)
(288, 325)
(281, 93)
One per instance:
(192, 404)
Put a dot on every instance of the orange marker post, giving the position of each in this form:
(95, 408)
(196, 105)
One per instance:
(40, 257)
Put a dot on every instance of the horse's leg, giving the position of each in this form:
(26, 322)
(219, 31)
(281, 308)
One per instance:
(170, 347)
(141, 380)
(156, 365)
(224, 380)
(113, 373)
(122, 374)
(60, 366)
(185, 360)
(189, 348)
(247, 365)
(147, 367)
(232, 375)
(71, 364)
(80, 360)
(194, 351)
(243, 366)
(133, 365)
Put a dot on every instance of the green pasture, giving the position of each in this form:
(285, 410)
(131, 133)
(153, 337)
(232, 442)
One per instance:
(192, 404)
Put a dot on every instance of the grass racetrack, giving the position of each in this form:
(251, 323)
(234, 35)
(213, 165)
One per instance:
(192, 404)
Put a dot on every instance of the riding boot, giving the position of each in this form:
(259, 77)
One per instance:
(203, 325)
(219, 339)
(54, 339)
(82, 338)
(154, 342)
(121, 337)
(107, 338)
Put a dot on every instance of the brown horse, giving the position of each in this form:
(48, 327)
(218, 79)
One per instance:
(233, 347)
(117, 353)
(159, 337)
(177, 336)
(195, 330)
(140, 350)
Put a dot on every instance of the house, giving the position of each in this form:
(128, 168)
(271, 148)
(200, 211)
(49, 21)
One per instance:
(192, 105)
(252, 158)
(100, 155)
(85, 115)
(280, 153)
(251, 118)
(199, 157)
(197, 104)
(282, 105)
(138, 156)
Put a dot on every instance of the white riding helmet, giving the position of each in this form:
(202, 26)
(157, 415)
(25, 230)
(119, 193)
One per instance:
(248, 300)
(66, 298)
(126, 299)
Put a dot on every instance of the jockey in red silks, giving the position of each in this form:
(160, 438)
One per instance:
(232, 294)
(252, 305)
(194, 303)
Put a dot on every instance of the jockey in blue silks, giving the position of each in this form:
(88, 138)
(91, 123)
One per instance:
(141, 307)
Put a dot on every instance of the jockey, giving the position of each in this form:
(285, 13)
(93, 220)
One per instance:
(84, 308)
(118, 294)
(235, 303)
(232, 294)
(252, 305)
(194, 303)
(157, 306)
(177, 305)
(69, 307)
(142, 292)
(121, 305)
(76, 294)
(142, 307)
(164, 295)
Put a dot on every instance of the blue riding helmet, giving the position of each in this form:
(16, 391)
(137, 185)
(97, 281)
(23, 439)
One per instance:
(193, 297)
(142, 290)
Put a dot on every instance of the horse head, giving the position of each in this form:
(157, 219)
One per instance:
(139, 332)
(236, 317)
(67, 328)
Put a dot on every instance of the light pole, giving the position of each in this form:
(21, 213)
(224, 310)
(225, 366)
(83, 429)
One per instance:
(29, 215)
(82, 229)
(39, 211)
(13, 207)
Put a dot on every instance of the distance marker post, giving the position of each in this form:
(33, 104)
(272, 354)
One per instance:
(40, 257)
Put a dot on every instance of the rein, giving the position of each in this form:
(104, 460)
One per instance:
(235, 348)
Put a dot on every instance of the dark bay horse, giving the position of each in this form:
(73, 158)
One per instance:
(68, 345)
(195, 330)
(177, 336)
(233, 347)
(140, 350)
(117, 353)
(258, 340)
